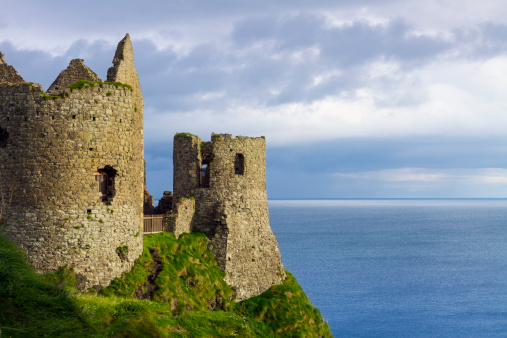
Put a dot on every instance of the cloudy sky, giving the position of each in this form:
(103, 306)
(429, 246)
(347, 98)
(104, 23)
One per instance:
(356, 98)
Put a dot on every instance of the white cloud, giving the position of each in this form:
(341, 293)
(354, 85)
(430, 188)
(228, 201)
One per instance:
(394, 175)
(465, 100)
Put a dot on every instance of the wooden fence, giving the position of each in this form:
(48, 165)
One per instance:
(153, 224)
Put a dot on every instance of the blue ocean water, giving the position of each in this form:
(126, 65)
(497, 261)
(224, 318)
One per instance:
(399, 268)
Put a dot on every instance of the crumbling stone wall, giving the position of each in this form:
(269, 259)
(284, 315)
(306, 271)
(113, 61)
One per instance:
(182, 216)
(233, 209)
(8, 74)
(165, 203)
(55, 156)
(124, 70)
(148, 203)
(76, 71)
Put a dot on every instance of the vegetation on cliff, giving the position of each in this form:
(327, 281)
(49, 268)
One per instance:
(175, 290)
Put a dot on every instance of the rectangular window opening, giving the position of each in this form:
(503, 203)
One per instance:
(106, 179)
(204, 176)
(239, 164)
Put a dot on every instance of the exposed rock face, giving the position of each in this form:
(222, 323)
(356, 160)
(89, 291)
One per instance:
(227, 179)
(76, 71)
(75, 167)
(8, 74)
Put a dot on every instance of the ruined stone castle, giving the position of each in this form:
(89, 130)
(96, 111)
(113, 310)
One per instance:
(72, 180)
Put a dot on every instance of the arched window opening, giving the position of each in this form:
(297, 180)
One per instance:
(239, 164)
(204, 174)
(105, 178)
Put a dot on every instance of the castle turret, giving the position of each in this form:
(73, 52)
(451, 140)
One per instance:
(73, 167)
(220, 189)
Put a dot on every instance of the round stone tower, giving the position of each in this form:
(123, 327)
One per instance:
(220, 189)
(71, 171)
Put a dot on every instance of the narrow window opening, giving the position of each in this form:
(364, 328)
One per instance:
(4, 137)
(94, 118)
(52, 117)
(239, 164)
(74, 117)
(204, 175)
(105, 178)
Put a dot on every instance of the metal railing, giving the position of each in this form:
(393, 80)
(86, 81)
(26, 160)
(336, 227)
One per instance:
(153, 224)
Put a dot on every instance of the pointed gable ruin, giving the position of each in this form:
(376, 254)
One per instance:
(76, 71)
(124, 70)
(8, 74)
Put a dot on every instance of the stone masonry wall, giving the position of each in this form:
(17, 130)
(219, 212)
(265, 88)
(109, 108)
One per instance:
(53, 151)
(186, 163)
(125, 71)
(233, 210)
(181, 218)
(76, 71)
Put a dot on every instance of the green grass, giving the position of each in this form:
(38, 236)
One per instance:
(48, 96)
(286, 310)
(187, 275)
(32, 305)
(90, 84)
(175, 290)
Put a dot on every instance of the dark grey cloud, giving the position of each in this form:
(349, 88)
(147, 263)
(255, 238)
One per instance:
(484, 41)
(260, 66)
(344, 46)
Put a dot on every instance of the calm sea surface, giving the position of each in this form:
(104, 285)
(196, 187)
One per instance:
(399, 268)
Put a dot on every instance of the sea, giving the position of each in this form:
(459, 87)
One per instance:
(399, 267)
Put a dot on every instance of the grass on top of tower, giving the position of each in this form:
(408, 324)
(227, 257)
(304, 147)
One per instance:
(90, 84)
(187, 134)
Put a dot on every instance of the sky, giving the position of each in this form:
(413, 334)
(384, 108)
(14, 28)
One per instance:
(356, 98)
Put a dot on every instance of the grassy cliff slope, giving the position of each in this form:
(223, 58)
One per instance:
(175, 290)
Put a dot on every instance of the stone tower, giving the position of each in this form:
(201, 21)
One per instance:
(72, 165)
(220, 189)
